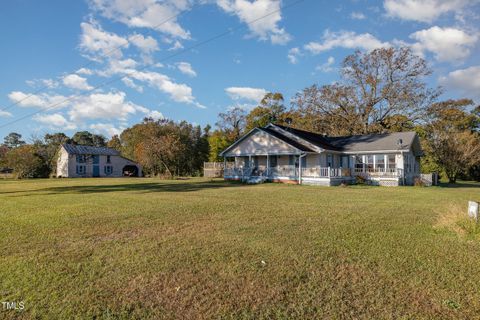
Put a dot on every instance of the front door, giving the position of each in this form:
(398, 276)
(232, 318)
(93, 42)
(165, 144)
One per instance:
(96, 170)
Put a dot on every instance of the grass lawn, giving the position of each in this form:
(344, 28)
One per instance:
(194, 249)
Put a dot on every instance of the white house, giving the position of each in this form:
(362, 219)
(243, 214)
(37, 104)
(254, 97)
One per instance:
(76, 161)
(284, 154)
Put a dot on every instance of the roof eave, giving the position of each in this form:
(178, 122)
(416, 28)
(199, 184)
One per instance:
(309, 144)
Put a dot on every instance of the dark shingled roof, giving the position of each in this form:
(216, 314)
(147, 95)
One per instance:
(76, 149)
(374, 142)
(313, 138)
(357, 143)
(287, 139)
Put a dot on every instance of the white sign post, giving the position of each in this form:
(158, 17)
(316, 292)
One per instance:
(473, 210)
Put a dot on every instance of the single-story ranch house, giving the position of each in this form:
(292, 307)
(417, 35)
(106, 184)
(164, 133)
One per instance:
(76, 161)
(284, 154)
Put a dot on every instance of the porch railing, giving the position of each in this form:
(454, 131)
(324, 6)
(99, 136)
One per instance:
(391, 172)
(309, 172)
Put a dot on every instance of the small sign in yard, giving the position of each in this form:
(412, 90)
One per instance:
(473, 210)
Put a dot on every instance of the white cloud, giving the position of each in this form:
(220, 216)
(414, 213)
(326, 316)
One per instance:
(293, 55)
(110, 105)
(178, 92)
(84, 71)
(131, 84)
(95, 41)
(447, 44)
(155, 14)
(186, 68)
(155, 115)
(107, 128)
(247, 93)
(327, 66)
(345, 39)
(422, 10)
(55, 120)
(465, 81)
(176, 46)
(147, 45)
(261, 16)
(74, 81)
(357, 16)
(42, 101)
(5, 113)
(48, 83)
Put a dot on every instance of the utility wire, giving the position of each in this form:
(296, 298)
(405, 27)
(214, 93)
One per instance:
(218, 36)
(107, 54)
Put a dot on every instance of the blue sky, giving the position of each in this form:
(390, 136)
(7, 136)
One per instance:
(55, 53)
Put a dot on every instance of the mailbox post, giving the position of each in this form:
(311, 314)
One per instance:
(473, 210)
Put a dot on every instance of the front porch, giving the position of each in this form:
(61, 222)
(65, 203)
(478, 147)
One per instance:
(307, 170)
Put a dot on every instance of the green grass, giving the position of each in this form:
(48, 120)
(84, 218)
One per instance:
(144, 248)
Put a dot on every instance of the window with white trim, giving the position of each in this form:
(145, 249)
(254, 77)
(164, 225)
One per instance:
(380, 161)
(369, 161)
(359, 162)
(391, 162)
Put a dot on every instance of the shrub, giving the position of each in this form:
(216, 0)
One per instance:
(360, 180)
(418, 182)
(26, 163)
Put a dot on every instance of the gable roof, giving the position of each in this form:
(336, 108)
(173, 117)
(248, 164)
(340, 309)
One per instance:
(77, 149)
(316, 139)
(288, 140)
(271, 132)
(395, 141)
(304, 140)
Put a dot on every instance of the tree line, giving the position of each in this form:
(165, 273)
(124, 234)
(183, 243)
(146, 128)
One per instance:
(381, 91)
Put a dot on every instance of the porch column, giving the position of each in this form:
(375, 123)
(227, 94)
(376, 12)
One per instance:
(300, 168)
(268, 165)
(224, 166)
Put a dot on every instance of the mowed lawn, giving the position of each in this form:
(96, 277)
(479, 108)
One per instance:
(200, 249)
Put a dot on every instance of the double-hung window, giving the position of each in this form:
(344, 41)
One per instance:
(81, 170)
(329, 160)
(369, 161)
(391, 161)
(81, 158)
(108, 170)
(273, 161)
(359, 163)
(380, 162)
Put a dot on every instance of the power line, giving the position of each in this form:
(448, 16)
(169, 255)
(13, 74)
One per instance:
(107, 54)
(218, 36)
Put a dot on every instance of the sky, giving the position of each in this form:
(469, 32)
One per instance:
(104, 65)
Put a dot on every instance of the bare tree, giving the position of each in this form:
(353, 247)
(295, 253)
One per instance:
(374, 87)
(232, 122)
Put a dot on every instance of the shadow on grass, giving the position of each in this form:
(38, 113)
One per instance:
(161, 186)
(460, 184)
